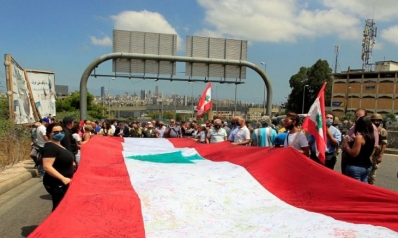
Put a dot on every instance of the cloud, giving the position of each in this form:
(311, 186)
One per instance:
(106, 41)
(144, 21)
(390, 34)
(291, 20)
(380, 10)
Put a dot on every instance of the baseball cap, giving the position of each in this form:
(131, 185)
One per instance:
(149, 124)
(45, 119)
(172, 120)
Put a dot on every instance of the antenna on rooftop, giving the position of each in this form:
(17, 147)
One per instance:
(369, 39)
(336, 52)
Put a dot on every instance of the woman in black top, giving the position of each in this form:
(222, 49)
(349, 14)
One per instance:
(58, 164)
(359, 150)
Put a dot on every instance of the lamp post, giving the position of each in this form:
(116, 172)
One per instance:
(161, 112)
(109, 96)
(175, 107)
(302, 110)
(265, 71)
(216, 99)
(106, 90)
(349, 90)
(192, 99)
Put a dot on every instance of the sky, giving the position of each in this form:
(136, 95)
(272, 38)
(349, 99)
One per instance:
(66, 36)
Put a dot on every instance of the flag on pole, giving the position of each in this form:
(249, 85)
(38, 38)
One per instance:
(314, 123)
(145, 187)
(204, 102)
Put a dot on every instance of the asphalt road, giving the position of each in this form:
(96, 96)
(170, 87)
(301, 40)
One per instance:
(23, 208)
(386, 175)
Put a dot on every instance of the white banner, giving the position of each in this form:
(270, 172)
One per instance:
(42, 85)
(23, 110)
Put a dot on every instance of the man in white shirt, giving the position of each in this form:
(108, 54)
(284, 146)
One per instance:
(41, 132)
(242, 136)
(295, 137)
(216, 134)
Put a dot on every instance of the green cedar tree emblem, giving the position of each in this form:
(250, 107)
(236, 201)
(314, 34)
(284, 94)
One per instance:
(318, 124)
(207, 98)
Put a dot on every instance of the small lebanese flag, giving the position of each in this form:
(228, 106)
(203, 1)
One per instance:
(204, 102)
(314, 124)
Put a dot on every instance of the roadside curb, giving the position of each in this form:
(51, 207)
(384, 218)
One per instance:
(17, 180)
(391, 151)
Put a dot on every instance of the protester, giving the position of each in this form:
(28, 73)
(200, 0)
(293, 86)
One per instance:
(58, 164)
(135, 131)
(295, 137)
(333, 137)
(200, 135)
(161, 128)
(265, 135)
(173, 131)
(106, 130)
(226, 128)
(379, 151)
(41, 133)
(216, 134)
(359, 150)
(34, 152)
(122, 130)
(68, 142)
(150, 131)
(360, 112)
(235, 127)
(88, 129)
(242, 136)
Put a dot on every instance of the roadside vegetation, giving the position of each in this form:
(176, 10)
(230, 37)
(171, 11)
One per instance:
(14, 139)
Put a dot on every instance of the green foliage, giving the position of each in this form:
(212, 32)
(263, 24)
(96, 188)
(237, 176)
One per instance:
(71, 106)
(350, 116)
(4, 108)
(390, 117)
(314, 77)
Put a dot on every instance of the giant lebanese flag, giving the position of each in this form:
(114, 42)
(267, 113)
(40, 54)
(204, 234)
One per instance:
(205, 102)
(315, 124)
(133, 187)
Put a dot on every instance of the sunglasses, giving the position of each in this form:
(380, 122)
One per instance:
(57, 132)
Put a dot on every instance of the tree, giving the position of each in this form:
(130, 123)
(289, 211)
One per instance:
(314, 77)
(72, 104)
(389, 117)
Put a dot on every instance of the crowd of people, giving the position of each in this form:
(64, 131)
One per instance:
(55, 146)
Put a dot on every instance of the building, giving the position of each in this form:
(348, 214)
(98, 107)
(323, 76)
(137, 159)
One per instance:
(143, 96)
(62, 90)
(375, 91)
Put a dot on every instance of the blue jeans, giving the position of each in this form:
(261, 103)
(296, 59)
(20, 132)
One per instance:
(358, 172)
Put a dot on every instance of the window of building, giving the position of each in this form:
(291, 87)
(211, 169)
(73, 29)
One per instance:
(370, 87)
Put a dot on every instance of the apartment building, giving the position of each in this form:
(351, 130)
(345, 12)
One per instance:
(375, 91)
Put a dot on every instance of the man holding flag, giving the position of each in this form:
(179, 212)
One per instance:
(205, 102)
(314, 124)
(333, 136)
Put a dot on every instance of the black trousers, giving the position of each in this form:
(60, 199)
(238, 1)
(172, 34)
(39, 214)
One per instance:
(57, 193)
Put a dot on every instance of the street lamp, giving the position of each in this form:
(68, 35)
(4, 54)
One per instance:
(175, 106)
(302, 110)
(216, 98)
(109, 96)
(349, 90)
(265, 71)
(192, 106)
